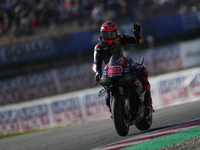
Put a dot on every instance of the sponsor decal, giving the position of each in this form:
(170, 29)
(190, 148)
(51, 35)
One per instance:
(173, 90)
(114, 51)
(10, 91)
(190, 20)
(37, 78)
(167, 58)
(30, 50)
(103, 81)
(195, 86)
(10, 97)
(9, 122)
(74, 71)
(75, 77)
(40, 90)
(34, 117)
(115, 71)
(95, 106)
(38, 85)
(66, 111)
(190, 53)
(166, 52)
(128, 77)
(73, 83)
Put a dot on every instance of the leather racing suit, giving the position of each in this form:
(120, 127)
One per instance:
(103, 51)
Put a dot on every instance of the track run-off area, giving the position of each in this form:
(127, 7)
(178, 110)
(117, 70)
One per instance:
(171, 125)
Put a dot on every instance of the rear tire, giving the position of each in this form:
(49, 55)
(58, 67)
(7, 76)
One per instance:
(146, 122)
(118, 115)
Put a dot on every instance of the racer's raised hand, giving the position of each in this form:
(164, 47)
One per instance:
(136, 30)
(98, 77)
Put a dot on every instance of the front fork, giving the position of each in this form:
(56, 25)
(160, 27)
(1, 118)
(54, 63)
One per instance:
(110, 95)
(118, 92)
(135, 104)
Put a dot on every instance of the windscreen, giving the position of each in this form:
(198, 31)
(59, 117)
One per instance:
(116, 60)
(115, 69)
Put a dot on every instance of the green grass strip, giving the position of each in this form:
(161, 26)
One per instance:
(166, 140)
(32, 131)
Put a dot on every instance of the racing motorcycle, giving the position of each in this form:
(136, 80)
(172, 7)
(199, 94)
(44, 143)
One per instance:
(126, 96)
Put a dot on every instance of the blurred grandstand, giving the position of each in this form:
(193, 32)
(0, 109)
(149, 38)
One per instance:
(23, 20)
(39, 35)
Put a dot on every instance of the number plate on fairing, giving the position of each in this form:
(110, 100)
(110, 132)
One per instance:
(115, 71)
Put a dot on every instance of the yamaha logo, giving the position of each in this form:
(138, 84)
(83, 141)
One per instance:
(109, 26)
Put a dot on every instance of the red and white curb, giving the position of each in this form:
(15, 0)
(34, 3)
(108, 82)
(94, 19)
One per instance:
(144, 137)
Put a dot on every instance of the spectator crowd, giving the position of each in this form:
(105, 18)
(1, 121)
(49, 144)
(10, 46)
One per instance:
(154, 8)
(24, 16)
(27, 15)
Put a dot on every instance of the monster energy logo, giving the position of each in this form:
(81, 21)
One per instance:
(116, 95)
(114, 51)
(128, 77)
(103, 81)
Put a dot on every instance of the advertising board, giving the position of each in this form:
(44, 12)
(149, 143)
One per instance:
(173, 90)
(79, 42)
(167, 58)
(190, 53)
(66, 111)
(167, 89)
(10, 91)
(148, 59)
(74, 77)
(34, 117)
(95, 106)
(195, 86)
(9, 121)
(38, 85)
(40, 48)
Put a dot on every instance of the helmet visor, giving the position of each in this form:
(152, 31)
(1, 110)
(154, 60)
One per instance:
(109, 35)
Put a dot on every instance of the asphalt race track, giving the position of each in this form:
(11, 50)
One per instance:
(89, 135)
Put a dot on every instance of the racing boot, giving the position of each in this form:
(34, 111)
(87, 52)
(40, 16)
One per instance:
(148, 101)
(142, 74)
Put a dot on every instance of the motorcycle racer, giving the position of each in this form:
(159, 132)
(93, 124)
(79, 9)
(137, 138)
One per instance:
(110, 43)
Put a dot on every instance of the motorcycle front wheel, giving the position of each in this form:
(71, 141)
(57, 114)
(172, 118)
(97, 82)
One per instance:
(120, 119)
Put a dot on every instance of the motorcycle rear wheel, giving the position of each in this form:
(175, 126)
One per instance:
(146, 122)
(119, 117)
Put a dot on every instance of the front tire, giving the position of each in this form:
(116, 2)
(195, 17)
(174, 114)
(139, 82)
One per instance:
(119, 117)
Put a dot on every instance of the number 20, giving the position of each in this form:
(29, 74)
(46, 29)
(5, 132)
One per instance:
(115, 70)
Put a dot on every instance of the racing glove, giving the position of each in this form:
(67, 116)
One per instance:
(98, 77)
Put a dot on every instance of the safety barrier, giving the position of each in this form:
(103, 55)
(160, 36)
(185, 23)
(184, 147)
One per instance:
(84, 105)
